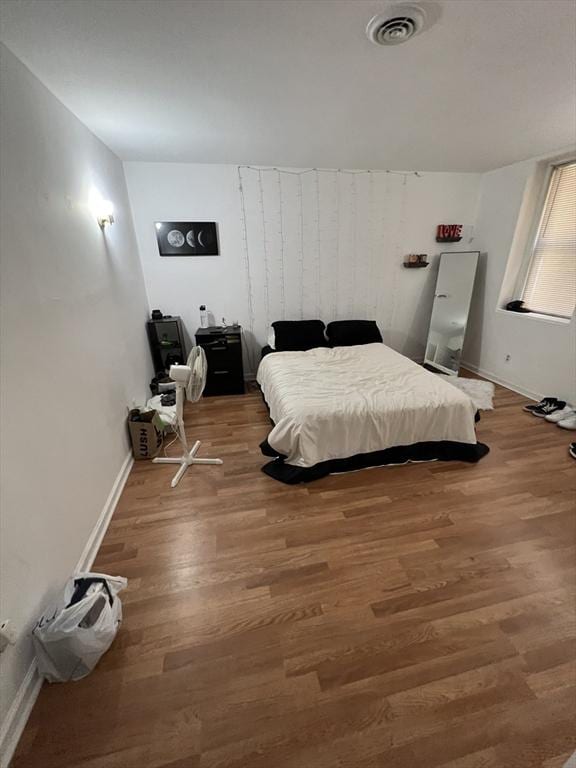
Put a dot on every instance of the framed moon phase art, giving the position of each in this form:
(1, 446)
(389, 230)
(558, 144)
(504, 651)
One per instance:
(187, 238)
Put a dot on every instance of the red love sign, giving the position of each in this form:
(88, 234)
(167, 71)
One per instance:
(448, 232)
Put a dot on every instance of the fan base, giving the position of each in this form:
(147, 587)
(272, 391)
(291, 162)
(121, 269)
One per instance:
(185, 461)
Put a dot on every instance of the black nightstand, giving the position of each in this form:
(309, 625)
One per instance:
(223, 347)
(166, 339)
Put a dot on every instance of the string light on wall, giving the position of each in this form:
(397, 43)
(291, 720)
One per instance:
(336, 280)
(372, 249)
(318, 247)
(296, 264)
(274, 169)
(265, 246)
(354, 206)
(301, 247)
(281, 249)
(395, 265)
(250, 349)
(385, 235)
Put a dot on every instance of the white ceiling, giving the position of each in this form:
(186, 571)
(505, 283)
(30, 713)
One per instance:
(296, 82)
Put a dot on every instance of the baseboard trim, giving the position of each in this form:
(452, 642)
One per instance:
(21, 707)
(93, 544)
(18, 715)
(503, 382)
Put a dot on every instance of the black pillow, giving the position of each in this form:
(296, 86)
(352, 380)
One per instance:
(298, 335)
(347, 333)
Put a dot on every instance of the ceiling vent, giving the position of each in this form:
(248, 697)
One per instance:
(396, 26)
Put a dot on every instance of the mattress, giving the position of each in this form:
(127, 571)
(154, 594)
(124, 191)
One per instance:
(331, 405)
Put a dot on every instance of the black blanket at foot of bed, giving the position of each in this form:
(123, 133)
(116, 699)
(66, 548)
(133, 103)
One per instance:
(444, 450)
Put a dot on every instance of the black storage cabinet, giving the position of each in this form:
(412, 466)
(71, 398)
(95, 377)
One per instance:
(166, 340)
(223, 347)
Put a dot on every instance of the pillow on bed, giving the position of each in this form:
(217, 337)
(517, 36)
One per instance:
(298, 335)
(348, 333)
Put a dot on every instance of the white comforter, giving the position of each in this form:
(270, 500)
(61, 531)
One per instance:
(335, 403)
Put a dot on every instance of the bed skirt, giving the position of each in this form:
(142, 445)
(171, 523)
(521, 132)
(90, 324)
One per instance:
(443, 450)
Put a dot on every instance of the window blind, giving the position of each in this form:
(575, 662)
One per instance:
(551, 281)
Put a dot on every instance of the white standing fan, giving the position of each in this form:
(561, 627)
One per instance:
(189, 378)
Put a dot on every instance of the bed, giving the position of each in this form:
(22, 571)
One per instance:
(346, 408)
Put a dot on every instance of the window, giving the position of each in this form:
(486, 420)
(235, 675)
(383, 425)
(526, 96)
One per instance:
(550, 285)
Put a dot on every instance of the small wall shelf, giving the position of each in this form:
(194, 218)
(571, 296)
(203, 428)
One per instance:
(415, 265)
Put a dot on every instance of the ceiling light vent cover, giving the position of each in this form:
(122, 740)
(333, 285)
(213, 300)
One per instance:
(397, 26)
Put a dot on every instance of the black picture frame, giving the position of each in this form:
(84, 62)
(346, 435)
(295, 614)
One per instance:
(187, 238)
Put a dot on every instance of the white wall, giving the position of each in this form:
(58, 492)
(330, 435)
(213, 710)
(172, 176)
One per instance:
(355, 231)
(542, 351)
(353, 268)
(74, 352)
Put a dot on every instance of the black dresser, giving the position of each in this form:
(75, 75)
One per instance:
(223, 347)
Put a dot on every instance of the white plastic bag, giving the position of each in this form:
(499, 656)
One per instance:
(70, 641)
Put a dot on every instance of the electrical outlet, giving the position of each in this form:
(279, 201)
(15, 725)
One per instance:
(7, 634)
(508, 358)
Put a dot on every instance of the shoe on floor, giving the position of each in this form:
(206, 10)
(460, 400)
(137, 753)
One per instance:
(548, 408)
(544, 401)
(559, 415)
(572, 450)
(568, 423)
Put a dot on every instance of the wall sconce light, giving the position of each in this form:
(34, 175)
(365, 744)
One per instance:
(105, 214)
(103, 209)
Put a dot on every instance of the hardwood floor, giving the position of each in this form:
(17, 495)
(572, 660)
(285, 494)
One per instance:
(400, 617)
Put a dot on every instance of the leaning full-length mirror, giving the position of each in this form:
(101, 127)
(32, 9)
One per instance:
(450, 311)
